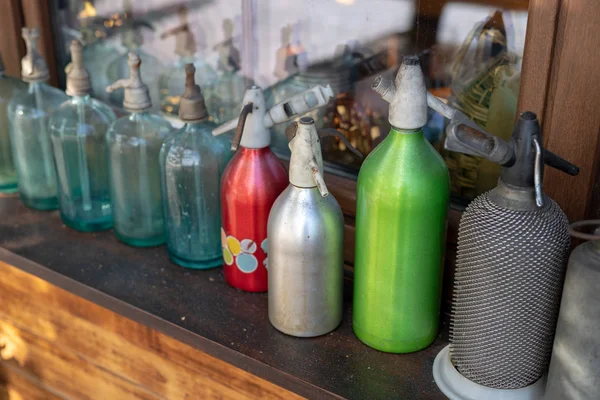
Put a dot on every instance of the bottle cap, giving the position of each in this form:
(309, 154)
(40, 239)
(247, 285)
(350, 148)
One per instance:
(407, 95)
(306, 161)
(78, 79)
(136, 96)
(33, 66)
(191, 106)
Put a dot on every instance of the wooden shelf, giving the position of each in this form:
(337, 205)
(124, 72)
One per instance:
(199, 310)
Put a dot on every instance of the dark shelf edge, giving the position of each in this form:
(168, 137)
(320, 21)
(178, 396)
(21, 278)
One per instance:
(183, 335)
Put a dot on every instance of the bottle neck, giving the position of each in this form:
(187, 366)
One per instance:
(35, 85)
(398, 131)
(81, 99)
(196, 123)
(138, 115)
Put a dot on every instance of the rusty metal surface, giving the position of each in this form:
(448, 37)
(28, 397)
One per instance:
(199, 308)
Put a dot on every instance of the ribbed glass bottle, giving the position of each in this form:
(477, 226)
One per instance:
(134, 144)
(192, 161)
(78, 129)
(402, 202)
(32, 152)
(9, 87)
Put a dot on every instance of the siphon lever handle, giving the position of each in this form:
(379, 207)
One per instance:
(239, 130)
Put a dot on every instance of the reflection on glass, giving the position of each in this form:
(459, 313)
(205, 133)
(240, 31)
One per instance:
(172, 78)
(224, 99)
(470, 57)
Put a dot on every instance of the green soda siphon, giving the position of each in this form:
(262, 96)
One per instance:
(402, 203)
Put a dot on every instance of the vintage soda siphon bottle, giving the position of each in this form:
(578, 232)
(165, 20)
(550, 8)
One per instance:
(402, 202)
(9, 87)
(134, 144)
(306, 242)
(252, 181)
(78, 131)
(28, 116)
(192, 161)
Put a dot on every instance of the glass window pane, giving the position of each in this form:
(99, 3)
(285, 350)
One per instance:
(470, 52)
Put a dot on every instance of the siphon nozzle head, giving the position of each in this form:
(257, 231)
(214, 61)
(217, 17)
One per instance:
(33, 66)
(78, 78)
(407, 95)
(192, 106)
(137, 97)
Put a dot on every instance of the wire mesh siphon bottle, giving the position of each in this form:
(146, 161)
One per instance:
(513, 244)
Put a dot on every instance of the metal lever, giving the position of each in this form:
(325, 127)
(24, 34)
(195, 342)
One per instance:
(239, 130)
(538, 176)
(335, 133)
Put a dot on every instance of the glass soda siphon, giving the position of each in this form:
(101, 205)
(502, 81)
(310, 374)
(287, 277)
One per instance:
(78, 131)
(192, 161)
(134, 145)
(28, 116)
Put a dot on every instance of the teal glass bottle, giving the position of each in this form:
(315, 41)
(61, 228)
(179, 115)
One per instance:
(30, 138)
(192, 161)
(9, 87)
(78, 131)
(134, 144)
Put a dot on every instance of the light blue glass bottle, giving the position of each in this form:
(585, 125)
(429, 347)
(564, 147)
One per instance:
(192, 161)
(78, 131)
(30, 138)
(9, 87)
(134, 144)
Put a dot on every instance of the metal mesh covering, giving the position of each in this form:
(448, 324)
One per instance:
(509, 275)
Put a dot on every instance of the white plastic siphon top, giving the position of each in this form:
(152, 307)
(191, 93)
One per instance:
(306, 161)
(137, 97)
(33, 66)
(78, 78)
(256, 127)
(407, 95)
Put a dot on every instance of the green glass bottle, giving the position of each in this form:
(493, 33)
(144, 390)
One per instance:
(402, 203)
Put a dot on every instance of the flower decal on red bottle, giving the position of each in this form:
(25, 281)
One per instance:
(240, 253)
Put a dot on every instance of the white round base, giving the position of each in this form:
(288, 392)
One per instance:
(457, 387)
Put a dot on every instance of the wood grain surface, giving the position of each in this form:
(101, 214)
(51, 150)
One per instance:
(82, 351)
